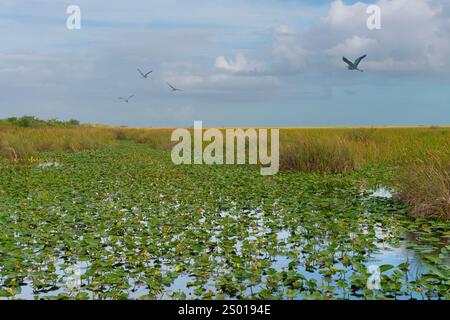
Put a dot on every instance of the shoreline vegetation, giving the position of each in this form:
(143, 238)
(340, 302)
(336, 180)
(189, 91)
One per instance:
(419, 155)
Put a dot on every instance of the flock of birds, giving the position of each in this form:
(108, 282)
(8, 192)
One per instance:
(145, 76)
(350, 65)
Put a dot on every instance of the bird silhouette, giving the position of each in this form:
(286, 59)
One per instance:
(173, 88)
(354, 65)
(126, 99)
(144, 75)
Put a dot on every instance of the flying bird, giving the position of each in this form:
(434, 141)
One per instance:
(173, 88)
(126, 99)
(354, 65)
(144, 75)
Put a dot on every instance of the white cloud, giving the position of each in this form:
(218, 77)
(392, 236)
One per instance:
(222, 82)
(287, 49)
(352, 48)
(415, 38)
(341, 15)
(413, 35)
(240, 64)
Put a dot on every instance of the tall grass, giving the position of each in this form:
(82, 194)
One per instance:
(308, 154)
(361, 146)
(321, 149)
(22, 143)
(425, 188)
(157, 138)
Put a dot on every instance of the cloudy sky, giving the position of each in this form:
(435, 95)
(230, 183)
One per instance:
(240, 62)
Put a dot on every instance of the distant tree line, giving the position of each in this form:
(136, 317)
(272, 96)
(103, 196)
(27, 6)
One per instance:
(33, 122)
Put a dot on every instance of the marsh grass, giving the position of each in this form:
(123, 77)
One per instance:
(365, 146)
(327, 149)
(306, 154)
(425, 188)
(21, 143)
(361, 135)
(157, 138)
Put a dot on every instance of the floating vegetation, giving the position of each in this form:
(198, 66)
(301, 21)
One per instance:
(125, 223)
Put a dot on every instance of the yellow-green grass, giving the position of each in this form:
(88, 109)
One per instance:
(22, 143)
(374, 145)
(326, 154)
(157, 138)
(366, 145)
(302, 149)
(425, 187)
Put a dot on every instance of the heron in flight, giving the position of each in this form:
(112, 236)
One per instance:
(173, 88)
(354, 65)
(126, 99)
(144, 75)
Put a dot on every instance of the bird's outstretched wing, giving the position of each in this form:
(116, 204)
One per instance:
(141, 73)
(357, 61)
(144, 75)
(130, 97)
(173, 88)
(347, 61)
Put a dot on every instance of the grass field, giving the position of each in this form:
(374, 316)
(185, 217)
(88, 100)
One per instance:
(110, 202)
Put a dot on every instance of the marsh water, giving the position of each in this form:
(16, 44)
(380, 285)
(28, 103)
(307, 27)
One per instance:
(72, 276)
(126, 223)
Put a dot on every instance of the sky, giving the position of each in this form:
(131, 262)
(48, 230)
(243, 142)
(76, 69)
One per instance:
(239, 62)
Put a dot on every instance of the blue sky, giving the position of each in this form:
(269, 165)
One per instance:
(240, 62)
